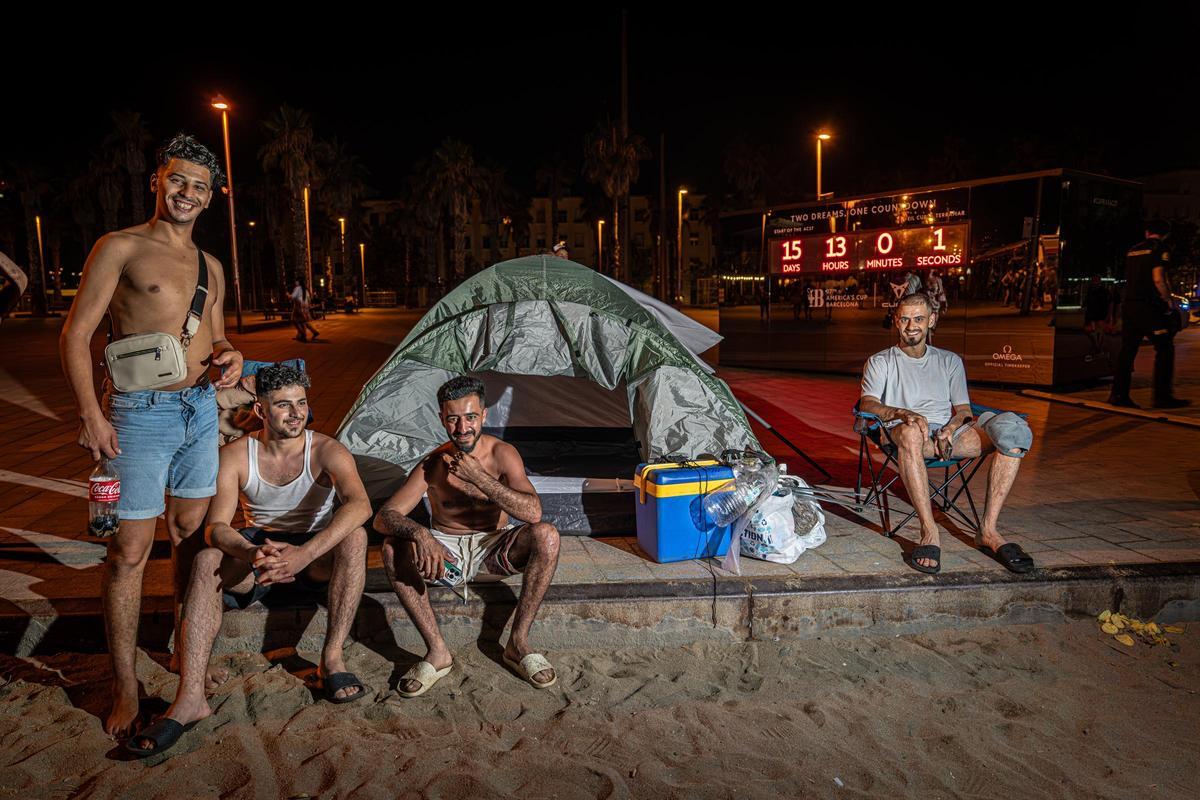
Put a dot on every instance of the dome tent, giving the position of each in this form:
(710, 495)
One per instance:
(563, 324)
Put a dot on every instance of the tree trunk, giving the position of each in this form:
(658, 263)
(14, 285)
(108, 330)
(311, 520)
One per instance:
(300, 242)
(56, 260)
(440, 252)
(554, 216)
(460, 229)
(37, 272)
(137, 198)
(617, 255)
(407, 269)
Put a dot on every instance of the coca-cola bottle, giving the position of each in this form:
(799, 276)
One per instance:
(104, 490)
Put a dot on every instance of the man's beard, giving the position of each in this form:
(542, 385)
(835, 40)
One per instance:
(284, 432)
(465, 448)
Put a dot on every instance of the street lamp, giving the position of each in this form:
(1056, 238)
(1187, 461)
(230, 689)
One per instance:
(600, 245)
(342, 225)
(679, 247)
(821, 137)
(362, 259)
(307, 243)
(222, 105)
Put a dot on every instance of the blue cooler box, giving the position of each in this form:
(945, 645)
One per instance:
(671, 522)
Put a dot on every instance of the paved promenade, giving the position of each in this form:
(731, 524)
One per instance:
(1098, 489)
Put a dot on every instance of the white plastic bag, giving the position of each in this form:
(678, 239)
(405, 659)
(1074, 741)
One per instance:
(768, 533)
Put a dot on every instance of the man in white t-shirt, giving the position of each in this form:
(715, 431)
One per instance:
(921, 390)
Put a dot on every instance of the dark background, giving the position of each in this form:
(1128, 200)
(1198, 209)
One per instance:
(923, 97)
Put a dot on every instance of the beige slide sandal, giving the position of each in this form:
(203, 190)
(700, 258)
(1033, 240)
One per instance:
(425, 674)
(531, 665)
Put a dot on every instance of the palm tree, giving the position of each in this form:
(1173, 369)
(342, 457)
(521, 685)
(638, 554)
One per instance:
(455, 183)
(499, 201)
(127, 143)
(555, 177)
(32, 186)
(290, 153)
(80, 204)
(613, 161)
(745, 168)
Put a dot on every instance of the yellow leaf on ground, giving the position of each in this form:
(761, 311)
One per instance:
(1104, 615)
(1125, 639)
(1172, 629)
(1120, 623)
(1152, 628)
(1109, 628)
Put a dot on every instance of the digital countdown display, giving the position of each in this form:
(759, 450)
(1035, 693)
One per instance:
(929, 247)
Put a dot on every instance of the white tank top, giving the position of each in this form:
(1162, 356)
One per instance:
(302, 506)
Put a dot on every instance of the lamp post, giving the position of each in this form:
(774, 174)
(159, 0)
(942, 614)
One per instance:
(679, 247)
(821, 137)
(342, 225)
(307, 244)
(222, 105)
(362, 260)
(600, 245)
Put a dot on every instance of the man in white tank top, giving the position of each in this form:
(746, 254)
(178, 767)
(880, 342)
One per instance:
(286, 478)
(921, 390)
(477, 486)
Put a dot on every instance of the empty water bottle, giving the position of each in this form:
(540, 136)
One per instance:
(731, 501)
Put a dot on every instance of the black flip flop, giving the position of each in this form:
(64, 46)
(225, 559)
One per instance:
(343, 680)
(931, 551)
(1011, 557)
(165, 733)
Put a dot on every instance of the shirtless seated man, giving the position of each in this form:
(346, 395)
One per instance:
(286, 477)
(922, 390)
(475, 483)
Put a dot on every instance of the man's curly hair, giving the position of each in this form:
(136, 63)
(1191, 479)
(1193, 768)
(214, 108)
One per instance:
(278, 376)
(187, 148)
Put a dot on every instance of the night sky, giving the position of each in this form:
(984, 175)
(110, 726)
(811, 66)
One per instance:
(518, 89)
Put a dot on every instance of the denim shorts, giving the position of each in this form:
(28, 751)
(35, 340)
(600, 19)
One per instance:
(168, 443)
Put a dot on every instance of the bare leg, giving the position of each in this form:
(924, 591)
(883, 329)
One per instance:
(912, 452)
(185, 516)
(1001, 477)
(211, 571)
(348, 577)
(535, 553)
(121, 591)
(399, 560)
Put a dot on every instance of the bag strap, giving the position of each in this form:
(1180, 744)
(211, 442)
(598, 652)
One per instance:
(196, 313)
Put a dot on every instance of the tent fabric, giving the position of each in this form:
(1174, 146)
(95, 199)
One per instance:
(545, 316)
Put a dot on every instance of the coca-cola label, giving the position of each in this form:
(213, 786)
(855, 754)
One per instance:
(104, 491)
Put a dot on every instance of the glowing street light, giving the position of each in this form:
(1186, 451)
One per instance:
(222, 105)
(599, 245)
(679, 246)
(821, 137)
(362, 260)
(307, 243)
(342, 225)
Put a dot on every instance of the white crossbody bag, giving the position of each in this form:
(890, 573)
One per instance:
(153, 360)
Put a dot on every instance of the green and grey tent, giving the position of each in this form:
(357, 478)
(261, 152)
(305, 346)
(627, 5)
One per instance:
(584, 375)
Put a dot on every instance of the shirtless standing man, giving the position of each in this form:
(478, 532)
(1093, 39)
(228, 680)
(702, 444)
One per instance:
(144, 277)
(474, 482)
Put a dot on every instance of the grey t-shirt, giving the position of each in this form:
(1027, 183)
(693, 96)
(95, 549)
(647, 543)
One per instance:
(930, 385)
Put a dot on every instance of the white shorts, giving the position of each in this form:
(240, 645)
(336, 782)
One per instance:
(480, 552)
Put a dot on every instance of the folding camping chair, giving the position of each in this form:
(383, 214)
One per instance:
(944, 494)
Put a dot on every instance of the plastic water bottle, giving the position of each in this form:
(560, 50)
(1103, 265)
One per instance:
(104, 490)
(731, 501)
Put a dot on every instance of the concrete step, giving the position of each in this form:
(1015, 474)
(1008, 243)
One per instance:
(669, 612)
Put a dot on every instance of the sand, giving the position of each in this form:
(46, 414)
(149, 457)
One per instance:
(1045, 711)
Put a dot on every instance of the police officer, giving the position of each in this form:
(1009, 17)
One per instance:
(1146, 311)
